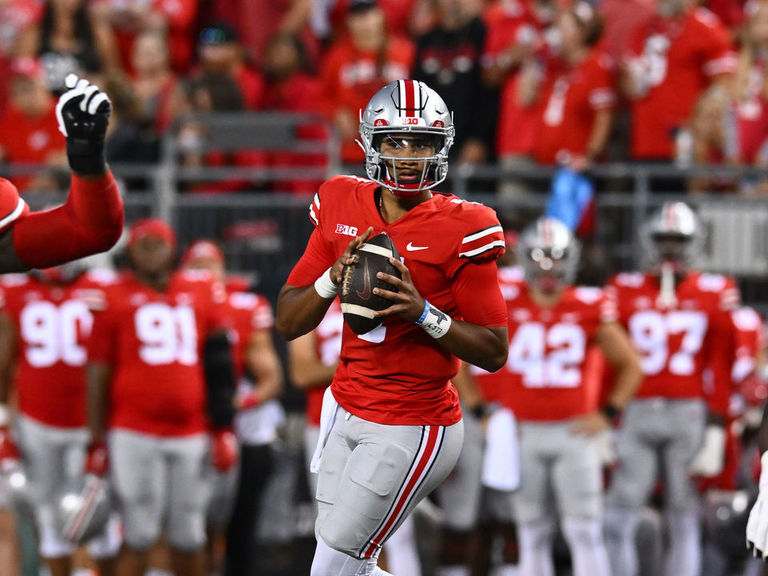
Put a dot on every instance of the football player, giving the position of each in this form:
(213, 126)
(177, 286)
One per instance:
(396, 431)
(680, 323)
(235, 508)
(91, 220)
(159, 373)
(313, 359)
(45, 324)
(553, 325)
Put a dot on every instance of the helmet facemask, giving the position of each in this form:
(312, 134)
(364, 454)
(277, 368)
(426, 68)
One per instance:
(549, 255)
(671, 238)
(415, 170)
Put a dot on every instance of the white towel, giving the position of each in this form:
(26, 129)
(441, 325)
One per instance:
(501, 461)
(327, 418)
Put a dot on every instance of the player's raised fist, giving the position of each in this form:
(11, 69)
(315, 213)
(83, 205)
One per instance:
(83, 114)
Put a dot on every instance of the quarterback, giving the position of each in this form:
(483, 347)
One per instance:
(91, 220)
(393, 426)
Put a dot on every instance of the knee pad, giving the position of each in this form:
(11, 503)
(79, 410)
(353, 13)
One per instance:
(108, 544)
(331, 562)
(140, 531)
(582, 533)
(187, 534)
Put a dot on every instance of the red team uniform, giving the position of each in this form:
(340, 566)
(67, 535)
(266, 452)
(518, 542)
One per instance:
(53, 325)
(547, 371)
(153, 339)
(676, 345)
(328, 342)
(405, 377)
(678, 59)
(572, 97)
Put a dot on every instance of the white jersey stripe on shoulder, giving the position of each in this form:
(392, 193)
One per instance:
(13, 215)
(421, 466)
(476, 251)
(481, 233)
(316, 200)
(312, 215)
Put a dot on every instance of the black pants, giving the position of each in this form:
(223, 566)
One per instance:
(256, 464)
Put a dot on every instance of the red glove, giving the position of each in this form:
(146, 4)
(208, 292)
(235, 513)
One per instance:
(248, 400)
(97, 459)
(9, 451)
(224, 451)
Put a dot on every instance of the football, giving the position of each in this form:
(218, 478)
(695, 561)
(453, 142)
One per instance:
(358, 302)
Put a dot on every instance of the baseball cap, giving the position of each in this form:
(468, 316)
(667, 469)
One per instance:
(152, 227)
(26, 67)
(219, 33)
(202, 249)
(356, 6)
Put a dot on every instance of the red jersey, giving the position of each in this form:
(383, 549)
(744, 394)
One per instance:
(677, 344)
(27, 140)
(153, 340)
(509, 25)
(248, 313)
(350, 77)
(751, 114)
(750, 340)
(547, 377)
(397, 373)
(679, 58)
(328, 347)
(52, 325)
(573, 96)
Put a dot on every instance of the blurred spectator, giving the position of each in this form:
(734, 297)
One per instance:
(129, 18)
(356, 66)
(403, 17)
(290, 88)
(751, 94)
(448, 60)
(214, 92)
(29, 132)
(153, 79)
(130, 138)
(620, 20)
(257, 22)
(220, 51)
(579, 92)
(516, 48)
(674, 57)
(15, 17)
(67, 39)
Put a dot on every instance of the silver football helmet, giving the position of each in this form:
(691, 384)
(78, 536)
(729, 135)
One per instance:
(672, 235)
(83, 509)
(549, 254)
(406, 107)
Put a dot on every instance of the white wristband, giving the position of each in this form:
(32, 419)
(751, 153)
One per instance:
(5, 415)
(325, 286)
(434, 322)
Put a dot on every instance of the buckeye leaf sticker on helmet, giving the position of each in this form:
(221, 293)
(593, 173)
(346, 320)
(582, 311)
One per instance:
(358, 302)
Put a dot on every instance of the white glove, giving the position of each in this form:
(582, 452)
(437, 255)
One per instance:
(606, 448)
(757, 525)
(711, 457)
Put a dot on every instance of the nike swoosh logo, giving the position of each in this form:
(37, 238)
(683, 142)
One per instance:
(366, 293)
(412, 248)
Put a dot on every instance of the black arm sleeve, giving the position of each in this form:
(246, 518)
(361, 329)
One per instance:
(219, 380)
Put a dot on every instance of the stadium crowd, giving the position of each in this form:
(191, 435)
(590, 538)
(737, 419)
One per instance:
(636, 405)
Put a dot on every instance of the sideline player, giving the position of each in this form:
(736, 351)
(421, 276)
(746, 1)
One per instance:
(159, 372)
(397, 430)
(552, 327)
(45, 324)
(91, 220)
(234, 508)
(680, 323)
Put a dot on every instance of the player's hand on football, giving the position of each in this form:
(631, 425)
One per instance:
(590, 424)
(83, 114)
(349, 256)
(406, 302)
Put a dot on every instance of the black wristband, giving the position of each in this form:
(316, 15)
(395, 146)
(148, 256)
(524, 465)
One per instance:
(86, 157)
(610, 411)
(479, 411)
